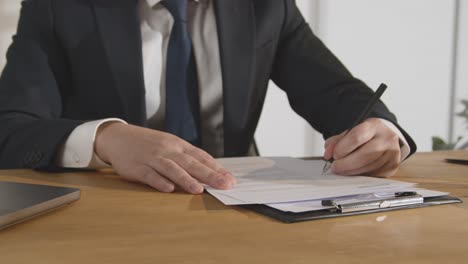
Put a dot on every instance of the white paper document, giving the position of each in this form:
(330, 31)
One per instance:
(283, 180)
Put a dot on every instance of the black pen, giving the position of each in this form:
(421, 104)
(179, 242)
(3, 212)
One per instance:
(365, 113)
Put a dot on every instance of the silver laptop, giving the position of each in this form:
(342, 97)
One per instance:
(21, 201)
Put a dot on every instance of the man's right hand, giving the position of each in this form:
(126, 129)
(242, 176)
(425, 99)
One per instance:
(160, 160)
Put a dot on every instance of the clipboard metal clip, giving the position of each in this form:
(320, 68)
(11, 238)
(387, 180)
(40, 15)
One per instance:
(358, 205)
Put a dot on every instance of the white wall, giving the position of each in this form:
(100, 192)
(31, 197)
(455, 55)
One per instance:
(461, 127)
(8, 17)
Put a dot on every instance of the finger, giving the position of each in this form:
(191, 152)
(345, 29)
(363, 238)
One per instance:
(330, 145)
(149, 176)
(380, 161)
(173, 172)
(329, 151)
(210, 162)
(334, 139)
(385, 166)
(201, 172)
(357, 137)
(390, 168)
(361, 158)
(202, 157)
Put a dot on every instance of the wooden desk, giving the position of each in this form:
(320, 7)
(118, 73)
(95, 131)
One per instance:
(117, 222)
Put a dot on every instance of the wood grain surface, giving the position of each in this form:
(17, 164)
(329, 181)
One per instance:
(120, 222)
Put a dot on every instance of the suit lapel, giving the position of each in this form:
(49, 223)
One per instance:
(236, 33)
(119, 28)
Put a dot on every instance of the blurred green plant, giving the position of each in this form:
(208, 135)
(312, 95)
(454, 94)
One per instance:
(439, 144)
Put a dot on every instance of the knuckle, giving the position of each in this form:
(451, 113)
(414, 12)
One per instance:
(367, 134)
(167, 163)
(173, 172)
(204, 156)
(205, 160)
(222, 171)
(196, 152)
(213, 175)
(367, 125)
(394, 168)
(180, 144)
(180, 160)
(201, 156)
(379, 149)
(364, 128)
(355, 138)
(142, 174)
(165, 145)
(163, 186)
(146, 177)
(194, 188)
(190, 162)
(172, 142)
(209, 162)
(394, 157)
(374, 121)
(395, 164)
(395, 139)
(332, 140)
(371, 156)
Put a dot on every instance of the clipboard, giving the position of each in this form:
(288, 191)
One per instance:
(290, 217)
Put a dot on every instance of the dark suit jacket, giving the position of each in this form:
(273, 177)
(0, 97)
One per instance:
(72, 61)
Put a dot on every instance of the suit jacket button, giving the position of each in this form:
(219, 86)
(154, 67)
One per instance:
(40, 156)
(26, 160)
(37, 158)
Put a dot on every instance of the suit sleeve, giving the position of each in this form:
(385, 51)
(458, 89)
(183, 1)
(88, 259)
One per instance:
(318, 85)
(31, 127)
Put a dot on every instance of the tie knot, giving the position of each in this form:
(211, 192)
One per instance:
(177, 8)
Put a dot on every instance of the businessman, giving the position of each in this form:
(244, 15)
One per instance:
(156, 88)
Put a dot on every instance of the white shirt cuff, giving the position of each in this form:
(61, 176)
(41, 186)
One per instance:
(78, 149)
(404, 147)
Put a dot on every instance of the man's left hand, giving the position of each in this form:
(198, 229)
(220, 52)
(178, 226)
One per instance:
(371, 148)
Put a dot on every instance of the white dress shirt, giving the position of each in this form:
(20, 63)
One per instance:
(156, 24)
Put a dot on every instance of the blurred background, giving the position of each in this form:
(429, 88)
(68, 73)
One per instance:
(419, 48)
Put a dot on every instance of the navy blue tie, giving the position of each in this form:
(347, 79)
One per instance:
(181, 78)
